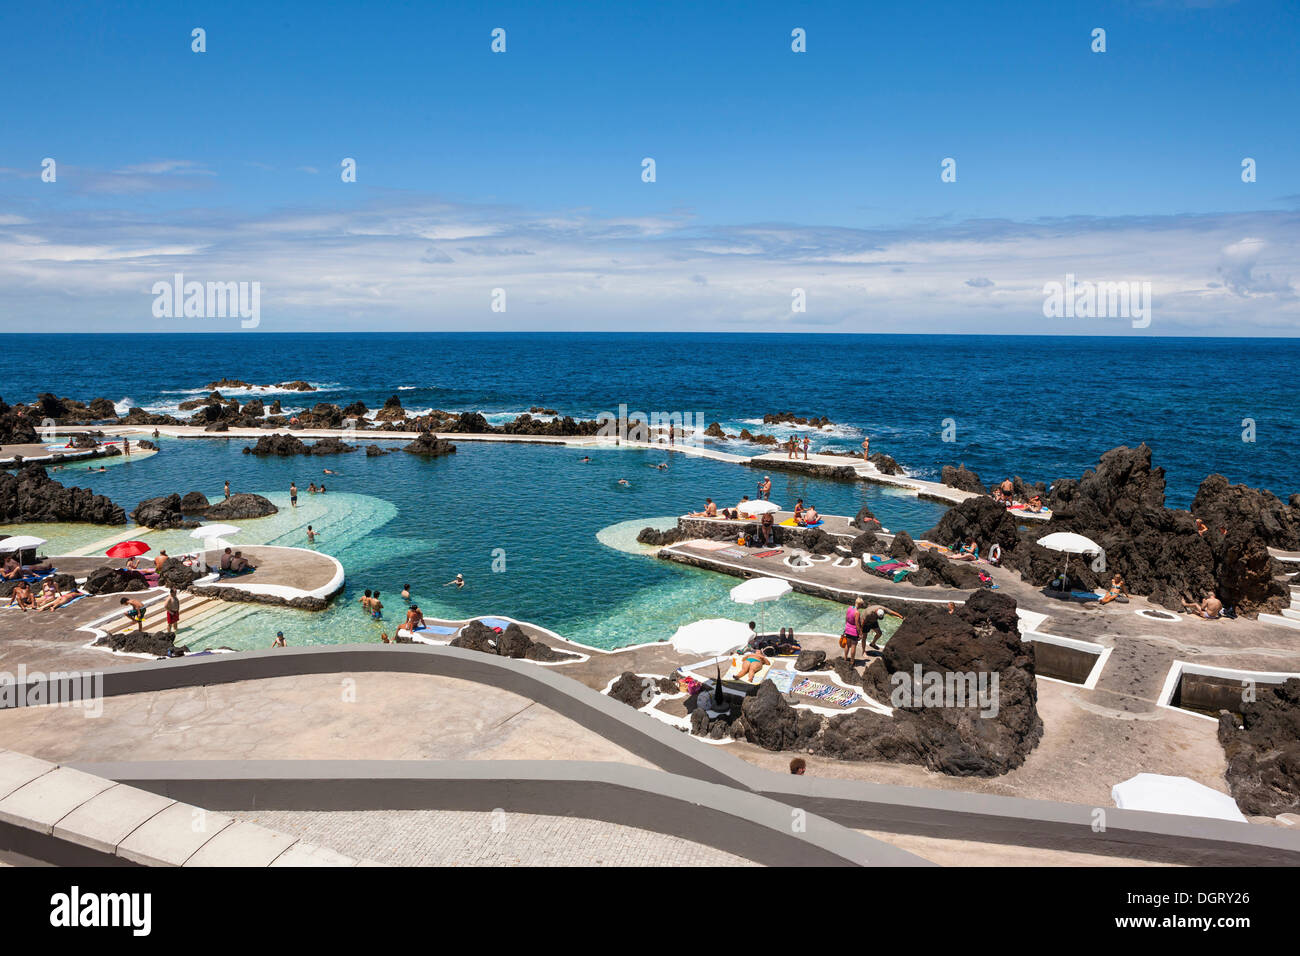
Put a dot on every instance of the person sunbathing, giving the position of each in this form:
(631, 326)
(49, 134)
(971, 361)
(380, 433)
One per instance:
(810, 516)
(750, 665)
(227, 557)
(62, 600)
(1035, 504)
(239, 564)
(49, 594)
(11, 570)
(1201, 526)
(21, 597)
(1116, 589)
(414, 619)
(1209, 607)
(970, 551)
(710, 510)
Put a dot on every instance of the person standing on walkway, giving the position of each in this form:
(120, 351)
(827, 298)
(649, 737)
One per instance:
(866, 448)
(293, 493)
(806, 442)
(173, 607)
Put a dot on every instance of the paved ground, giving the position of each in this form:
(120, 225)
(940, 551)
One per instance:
(490, 838)
(372, 716)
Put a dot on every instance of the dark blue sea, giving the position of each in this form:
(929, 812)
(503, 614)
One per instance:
(1039, 407)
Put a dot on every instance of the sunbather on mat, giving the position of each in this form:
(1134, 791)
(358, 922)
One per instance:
(969, 551)
(751, 664)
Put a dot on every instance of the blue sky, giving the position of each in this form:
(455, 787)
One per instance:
(775, 170)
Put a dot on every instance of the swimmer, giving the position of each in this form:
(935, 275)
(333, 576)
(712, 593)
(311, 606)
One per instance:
(624, 481)
(312, 535)
(584, 460)
(279, 639)
(458, 580)
(328, 472)
(406, 592)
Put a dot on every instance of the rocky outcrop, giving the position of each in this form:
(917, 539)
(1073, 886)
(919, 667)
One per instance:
(1263, 751)
(159, 644)
(714, 431)
(902, 546)
(16, 427)
(790, 418)
(374, 451)
(392, 411)
(110, 580)
(962, 479)
(512, 642)
(865, 543)
(428, 445)
(1121, 506)
(175, 574)
(982, 518)
(885, 464)
(944, 733)
(31, 495)
(165, 511)
(946, 573)
(658, 539)
(285, 445)
(810, 660)
(865, 520)
(637, 690)
(241, 505)
(770, 722)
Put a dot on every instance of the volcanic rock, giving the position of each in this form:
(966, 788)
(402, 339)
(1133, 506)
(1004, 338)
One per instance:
(31, 495)
(962, 479)
(165, 511)
(110, 580)
(810, 660)
(657, 538)
(865, 520)
(241, 505)
(902, 546)
(770, 722)
(1263, 751)
(159, 644)
(430, 447)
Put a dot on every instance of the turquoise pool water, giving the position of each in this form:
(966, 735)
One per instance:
(537, 535)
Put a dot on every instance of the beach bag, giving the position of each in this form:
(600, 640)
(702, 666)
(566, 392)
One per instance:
(844, 641)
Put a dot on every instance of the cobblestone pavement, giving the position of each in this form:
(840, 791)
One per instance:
(465, 838)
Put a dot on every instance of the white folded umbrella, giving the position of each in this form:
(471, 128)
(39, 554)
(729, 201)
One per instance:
(714, 635)
(1159, 793)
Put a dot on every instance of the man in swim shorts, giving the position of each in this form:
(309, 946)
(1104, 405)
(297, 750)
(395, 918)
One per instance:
(293, 494)
(134, 612)
(869, 619)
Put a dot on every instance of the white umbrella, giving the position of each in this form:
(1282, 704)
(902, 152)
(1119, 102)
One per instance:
(1069, 543)
(715, 635)
(214, 531)
(212, 536)
(20, 542)
(760, 591)
(757, 507)
(1159, 793)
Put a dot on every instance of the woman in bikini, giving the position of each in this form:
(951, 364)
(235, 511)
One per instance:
(750, 665)
(1117, 587)
(970, 551)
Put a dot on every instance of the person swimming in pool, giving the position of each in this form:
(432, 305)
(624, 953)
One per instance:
(458, 580)
(753, 662)
(625, 482)
(584, 460)
(406, 592)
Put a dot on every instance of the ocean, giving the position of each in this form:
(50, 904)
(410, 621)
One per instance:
(1039, 407)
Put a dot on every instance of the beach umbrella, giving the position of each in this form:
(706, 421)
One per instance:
(1069, 543)
(212, 535)
(20, 542)
(714, 635)
(758, 507)
(760, 591)
(1158, 793)
(127, 549)
(214, 531)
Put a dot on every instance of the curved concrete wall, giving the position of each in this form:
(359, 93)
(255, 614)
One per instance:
(941, 813)
(745, 824)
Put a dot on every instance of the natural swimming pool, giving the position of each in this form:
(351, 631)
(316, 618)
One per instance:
(538, 535)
